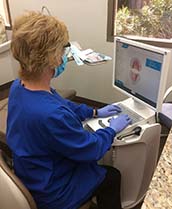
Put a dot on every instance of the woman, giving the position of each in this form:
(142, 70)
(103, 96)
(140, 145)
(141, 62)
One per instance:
(53, 155)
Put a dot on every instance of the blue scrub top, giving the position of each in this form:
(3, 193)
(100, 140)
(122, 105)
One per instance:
(54, 156)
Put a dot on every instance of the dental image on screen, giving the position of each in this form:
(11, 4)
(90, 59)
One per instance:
(138, 71)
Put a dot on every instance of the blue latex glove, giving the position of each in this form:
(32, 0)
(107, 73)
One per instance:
(108, 110)
(119, 123)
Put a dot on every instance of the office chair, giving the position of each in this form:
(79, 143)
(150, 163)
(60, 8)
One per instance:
(86, 205)
(165, 116)
(4, 147)
(13, 193)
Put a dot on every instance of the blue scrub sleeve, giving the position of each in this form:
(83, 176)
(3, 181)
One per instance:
(83, 111)
(67, 137)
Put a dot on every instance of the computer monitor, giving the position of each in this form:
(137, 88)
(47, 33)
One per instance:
(140, 71)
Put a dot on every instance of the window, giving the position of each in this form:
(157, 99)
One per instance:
(5, 13)
(143, 20)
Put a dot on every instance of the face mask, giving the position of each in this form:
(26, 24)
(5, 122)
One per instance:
(60, 68)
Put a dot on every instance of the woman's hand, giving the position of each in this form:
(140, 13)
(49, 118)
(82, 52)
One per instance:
(108, 110)
(119, 123)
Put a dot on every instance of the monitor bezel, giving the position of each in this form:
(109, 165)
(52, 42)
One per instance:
(164, 71)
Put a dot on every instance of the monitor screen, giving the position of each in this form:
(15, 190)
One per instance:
(140, 71)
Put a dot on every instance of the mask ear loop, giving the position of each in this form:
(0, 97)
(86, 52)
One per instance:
(44, 8)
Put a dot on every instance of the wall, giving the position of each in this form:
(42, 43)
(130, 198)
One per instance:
(86, 22)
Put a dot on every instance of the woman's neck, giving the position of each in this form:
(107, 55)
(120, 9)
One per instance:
(36, 85)
(41, 84)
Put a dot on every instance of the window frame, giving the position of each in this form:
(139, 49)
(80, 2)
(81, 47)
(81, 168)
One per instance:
(110, 20)
(7, 15)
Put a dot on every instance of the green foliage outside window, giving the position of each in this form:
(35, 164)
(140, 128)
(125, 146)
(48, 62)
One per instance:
(153, 20)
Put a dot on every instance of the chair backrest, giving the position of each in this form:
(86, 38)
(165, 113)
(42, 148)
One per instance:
(13, 193)
(6, 150)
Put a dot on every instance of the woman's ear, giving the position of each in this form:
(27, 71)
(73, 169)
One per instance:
(59, 60)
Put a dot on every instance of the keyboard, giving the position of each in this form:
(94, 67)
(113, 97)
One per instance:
(124, 110)
(133, 115)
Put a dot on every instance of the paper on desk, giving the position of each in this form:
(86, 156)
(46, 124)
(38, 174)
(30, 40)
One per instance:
(87, 56)
(77, 55)
(95, 57)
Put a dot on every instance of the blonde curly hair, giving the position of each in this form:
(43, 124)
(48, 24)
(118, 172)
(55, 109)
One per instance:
(37, 41)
